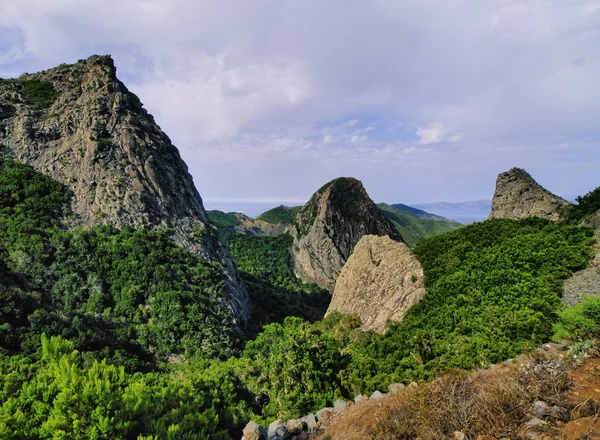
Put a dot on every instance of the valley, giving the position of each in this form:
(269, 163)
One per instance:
(129, 311)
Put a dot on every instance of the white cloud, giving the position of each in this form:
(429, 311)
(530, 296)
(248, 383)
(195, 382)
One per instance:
(250, 90)
(433, 133)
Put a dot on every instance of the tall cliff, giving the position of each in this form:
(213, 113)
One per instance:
(518, 195)
(381, 281)
(328, 227)
(81, 126)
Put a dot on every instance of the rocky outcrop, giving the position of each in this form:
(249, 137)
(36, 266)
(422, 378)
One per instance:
(518, 196)
(585, 282)
(381, 281)
(328, 227)
(95, 137)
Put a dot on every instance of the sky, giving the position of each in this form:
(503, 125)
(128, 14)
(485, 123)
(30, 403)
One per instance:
(267, 100)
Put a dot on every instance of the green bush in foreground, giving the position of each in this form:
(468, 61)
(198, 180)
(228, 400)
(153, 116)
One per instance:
(579, 322)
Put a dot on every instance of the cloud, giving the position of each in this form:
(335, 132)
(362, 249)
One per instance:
(433, 133)
(272, 97)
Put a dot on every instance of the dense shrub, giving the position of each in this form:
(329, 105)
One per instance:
(579, 322)
(38, 93)
(585, 206)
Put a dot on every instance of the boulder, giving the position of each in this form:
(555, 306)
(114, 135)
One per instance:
(339, 406)
(295, 426)
(380, 282)
(325, 414)
(253, 431)
(377, 395)
(393, 388)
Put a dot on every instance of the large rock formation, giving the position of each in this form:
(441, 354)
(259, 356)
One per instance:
(328, 227)
(518, 195)
(96, 138)
(381, 280)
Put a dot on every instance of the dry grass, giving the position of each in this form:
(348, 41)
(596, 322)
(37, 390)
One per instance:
(492, 403)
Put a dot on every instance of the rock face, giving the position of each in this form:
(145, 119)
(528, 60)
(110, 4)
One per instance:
(518, 196)
(328, 227)
(585, 282)
(97, 139)
(381, 280)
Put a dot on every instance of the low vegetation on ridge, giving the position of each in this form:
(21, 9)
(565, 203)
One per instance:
(89, 316)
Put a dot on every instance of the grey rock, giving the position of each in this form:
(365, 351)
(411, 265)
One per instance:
(377, 395)
(380, 282)
(311, 423)
(295, 426)
(272, 429)
(518, 196)
(359, 399)
(328, 227)
(253, 431)
(458, 435)
(99, 141)
(325, 414)
(339, 406)
(393, 388)
(540, 409)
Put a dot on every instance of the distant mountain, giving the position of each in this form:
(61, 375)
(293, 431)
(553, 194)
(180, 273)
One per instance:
(328, 227)
(281, 214)
(463, 212)
(238, 223)
(418, 212)
(412, 226)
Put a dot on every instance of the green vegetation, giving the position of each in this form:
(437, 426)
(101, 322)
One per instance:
(87, 318)
(128, 295)
(267, 270)
(281, 214)
(38, 93)
(268, 258)
(580, 322)
(223, 220)
(412, 227)
(585, 207)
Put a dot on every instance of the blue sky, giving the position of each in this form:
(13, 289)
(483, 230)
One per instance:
(267, 100)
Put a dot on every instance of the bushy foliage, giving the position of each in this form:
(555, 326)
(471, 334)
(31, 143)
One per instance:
(39, 94)
(268, 258)
(296, 365)
(130, 295)
(413, 228)
(60, 396)
(579, 322)
(280, 214)
(223, 220)
(586, 205)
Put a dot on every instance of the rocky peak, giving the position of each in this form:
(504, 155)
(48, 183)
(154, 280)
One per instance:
(518, 195)
(381, 281)
(328, 227)
(80, 125)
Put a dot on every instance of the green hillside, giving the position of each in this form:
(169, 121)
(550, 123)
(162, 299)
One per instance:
(281, 214)
(223, 220)
(118, 333)
(413, 227)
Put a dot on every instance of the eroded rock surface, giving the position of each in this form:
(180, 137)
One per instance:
(381, 281)
(518, 196)
(328, 227)
(97, 139)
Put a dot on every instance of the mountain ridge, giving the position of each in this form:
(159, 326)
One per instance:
(81, 126)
